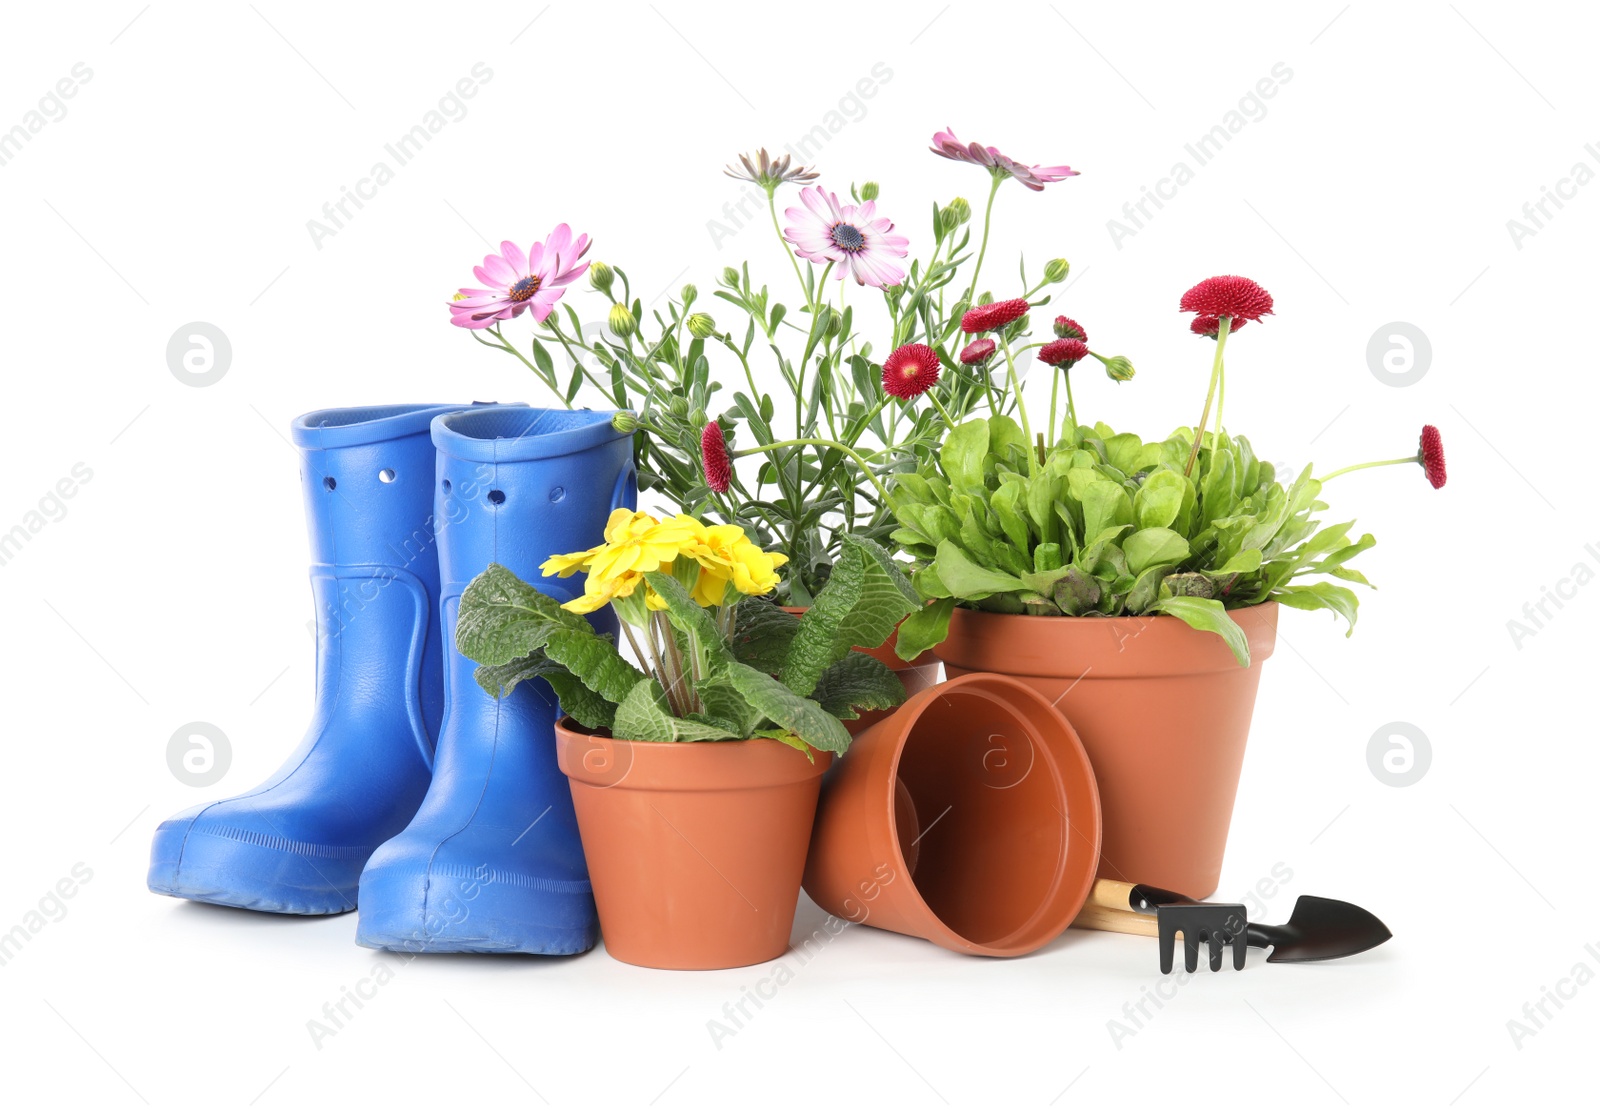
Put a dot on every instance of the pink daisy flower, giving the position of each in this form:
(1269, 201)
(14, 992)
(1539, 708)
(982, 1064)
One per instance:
(854, 237)
(517, 282)
(946, 145)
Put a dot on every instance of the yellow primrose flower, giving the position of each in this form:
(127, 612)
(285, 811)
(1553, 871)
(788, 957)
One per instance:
(725, 554)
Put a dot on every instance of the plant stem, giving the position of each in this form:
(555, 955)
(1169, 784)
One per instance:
(1072, 409)
(1369, 465)
(772, 209)
(1022, 407)
(859, 461)
(988, 209)
(1216, 373)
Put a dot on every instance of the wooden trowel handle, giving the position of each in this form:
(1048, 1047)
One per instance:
(1107, 909)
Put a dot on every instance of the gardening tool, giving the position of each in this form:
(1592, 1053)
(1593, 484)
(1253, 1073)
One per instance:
(492, 861)
(297, 843)
(1318, 929)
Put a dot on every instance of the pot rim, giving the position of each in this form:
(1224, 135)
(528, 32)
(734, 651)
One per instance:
(705, 766)
(1110, 647)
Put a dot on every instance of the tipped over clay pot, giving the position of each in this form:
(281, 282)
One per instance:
(968, 817)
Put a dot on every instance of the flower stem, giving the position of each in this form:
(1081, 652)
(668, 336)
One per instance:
(1369, 465)
(772, 209)
(988, 210)
(859, 461)
(1211, 390)
(1022, 407)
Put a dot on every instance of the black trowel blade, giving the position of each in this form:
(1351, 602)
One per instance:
(1322, 929)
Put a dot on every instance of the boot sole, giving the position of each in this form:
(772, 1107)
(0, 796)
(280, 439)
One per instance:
(201, 866)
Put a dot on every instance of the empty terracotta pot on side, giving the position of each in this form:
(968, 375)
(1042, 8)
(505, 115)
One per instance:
(695, 850)
(969, 818)
(1164, 711)
(916, 675)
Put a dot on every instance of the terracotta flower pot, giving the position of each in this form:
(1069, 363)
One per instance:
(695, 850)
(969, 818)
(1164, 711)
(916, 676)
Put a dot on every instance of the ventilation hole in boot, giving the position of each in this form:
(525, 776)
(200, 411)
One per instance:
(445, 485)
(329, 484)
(386, 476)
(557, 494)
(497, 497)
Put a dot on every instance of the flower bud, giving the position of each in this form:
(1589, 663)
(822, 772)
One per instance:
(702, 326)
(625, 422)
(959, 212)
(601, 276)
(730, 277)
(698, 417)
(678, 407)
(687, 295)
(834, 322)
(1056, 270)
(621, 321)
(869, 191)
(1118, 369)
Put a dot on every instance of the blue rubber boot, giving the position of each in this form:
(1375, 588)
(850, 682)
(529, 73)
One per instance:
(492, 860)
(297, 842)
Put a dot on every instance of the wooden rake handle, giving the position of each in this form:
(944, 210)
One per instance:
(1107, 909)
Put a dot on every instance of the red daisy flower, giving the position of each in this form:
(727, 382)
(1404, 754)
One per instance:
(1063, 352)
(990, 317)
(1430, 452)
(910, 371)
(1238, 297)
(976, 352)
(714, 454)
(1068, 328)
(1210, 325)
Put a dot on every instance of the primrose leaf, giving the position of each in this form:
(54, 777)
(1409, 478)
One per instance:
(762, 633)
(502, 618)
(800, 715)
(865, 598)
(642, 715)
(858, 681)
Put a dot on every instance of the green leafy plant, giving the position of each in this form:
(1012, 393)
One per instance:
(737, 670)
(1111, 525)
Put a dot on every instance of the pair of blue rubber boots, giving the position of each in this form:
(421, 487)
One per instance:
(436, 807)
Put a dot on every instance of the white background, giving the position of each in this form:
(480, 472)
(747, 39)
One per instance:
(1376, 188)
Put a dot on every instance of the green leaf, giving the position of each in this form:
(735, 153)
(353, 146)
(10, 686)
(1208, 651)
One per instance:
(762, 633)
(1321, 595)
(502, 618)
(581, 703)
(1105, 505)
(687, 615)
(924, 629)
(641, 716)
(866, 596)
(499, 681)
(593, 661)
(858, 681)
(961, 457)
(724, 704)
(1159, 499)
(1149, 546)
(800, 715)
(1208, 615)
(966, 579)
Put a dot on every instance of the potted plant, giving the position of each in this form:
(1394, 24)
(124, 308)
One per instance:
(1135, 584)
(695, 777)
